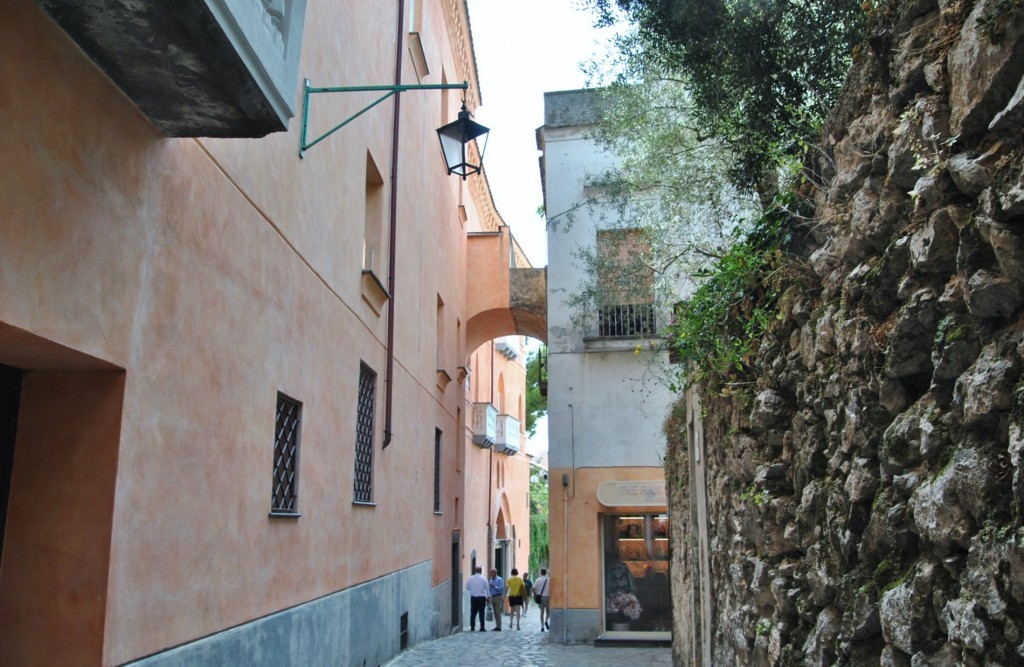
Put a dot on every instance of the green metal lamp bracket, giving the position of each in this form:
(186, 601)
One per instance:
(387, 90)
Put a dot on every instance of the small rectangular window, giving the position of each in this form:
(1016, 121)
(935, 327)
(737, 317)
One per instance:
(363, 480)
(437, 471)
(439, 334)
(286, 456)
(626, 281)
(373, 221)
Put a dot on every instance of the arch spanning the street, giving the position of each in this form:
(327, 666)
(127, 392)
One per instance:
(499, 322)
(505, 295)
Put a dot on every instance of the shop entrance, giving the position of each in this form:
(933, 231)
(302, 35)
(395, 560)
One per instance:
(637, 600)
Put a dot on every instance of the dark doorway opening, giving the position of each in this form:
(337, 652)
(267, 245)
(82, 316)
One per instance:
(499, 559)
(456, 581)
(10, 402)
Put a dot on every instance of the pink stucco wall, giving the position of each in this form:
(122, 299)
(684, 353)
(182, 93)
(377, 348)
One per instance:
(496, 483)
(216, 273)
(53, 586)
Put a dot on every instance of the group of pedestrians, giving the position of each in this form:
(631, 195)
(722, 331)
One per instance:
(493, 591)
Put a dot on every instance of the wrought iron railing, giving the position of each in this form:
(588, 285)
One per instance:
(627, 321)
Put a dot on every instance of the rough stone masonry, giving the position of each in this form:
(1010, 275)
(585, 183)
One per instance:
(866, 493)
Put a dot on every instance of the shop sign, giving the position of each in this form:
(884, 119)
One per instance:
(633, 493)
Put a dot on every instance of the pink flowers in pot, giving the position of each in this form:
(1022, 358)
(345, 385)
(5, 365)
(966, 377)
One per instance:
(623, 604)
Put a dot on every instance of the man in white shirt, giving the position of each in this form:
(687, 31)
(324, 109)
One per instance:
(542, 594)
(478, 589)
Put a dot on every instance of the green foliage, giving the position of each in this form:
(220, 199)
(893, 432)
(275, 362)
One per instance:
(993, 24)
(754, 495)
(717, 330)
(536, 405)
(763, 74)
(539, 538)
(994, 533)
(668, 193)
(953, 329)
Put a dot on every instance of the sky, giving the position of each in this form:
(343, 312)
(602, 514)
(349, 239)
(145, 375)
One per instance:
(524, 49)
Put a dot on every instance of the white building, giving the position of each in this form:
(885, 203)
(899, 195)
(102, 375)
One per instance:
(609, 528)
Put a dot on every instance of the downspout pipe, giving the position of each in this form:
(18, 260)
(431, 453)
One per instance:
(565, 528)
(389, 373)
(490, 483)
(491, 535)
(565, 559)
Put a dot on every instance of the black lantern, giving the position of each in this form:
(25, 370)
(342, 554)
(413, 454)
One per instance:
(454, 136)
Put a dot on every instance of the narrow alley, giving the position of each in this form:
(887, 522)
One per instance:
(528, 647)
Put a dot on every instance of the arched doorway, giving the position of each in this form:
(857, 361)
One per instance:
(502, 556)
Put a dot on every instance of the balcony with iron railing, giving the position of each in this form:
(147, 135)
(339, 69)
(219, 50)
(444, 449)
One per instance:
(622, 326)
(631, 320)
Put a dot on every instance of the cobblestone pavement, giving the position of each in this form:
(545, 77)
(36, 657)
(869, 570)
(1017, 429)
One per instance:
(528, 647)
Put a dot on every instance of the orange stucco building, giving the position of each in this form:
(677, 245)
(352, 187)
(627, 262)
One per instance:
(498, 509)
(236, 385)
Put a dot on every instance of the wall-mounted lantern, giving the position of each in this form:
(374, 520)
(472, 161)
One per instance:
(454, 137)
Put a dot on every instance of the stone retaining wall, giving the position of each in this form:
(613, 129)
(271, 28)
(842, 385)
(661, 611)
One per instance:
(865, 490)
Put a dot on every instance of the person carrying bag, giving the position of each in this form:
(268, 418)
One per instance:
(542, 596)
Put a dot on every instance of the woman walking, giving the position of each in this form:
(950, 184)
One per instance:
(516, 592)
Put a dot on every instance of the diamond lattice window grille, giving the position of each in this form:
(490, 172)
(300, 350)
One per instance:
(363, 480)
(286, 456)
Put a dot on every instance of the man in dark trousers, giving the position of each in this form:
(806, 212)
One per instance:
(478, 594)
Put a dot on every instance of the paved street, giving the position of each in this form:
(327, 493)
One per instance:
(528, 647)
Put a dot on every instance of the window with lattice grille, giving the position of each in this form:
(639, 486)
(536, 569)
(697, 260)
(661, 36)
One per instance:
(286, 456)
(363, 481)
(437, 470)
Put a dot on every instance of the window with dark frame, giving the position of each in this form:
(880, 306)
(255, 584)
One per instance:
(437, 471)
(287, 434)
(363, 479)
(627, 282)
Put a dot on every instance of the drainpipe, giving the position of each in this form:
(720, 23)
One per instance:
(565, 529)
(565, 559)
(490, 484)
(389, 375)
(490, 476)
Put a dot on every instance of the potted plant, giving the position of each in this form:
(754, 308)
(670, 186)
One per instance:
(622, 607)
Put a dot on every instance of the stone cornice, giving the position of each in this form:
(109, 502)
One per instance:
(457, 19)
(480, 190)
(461, 37)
